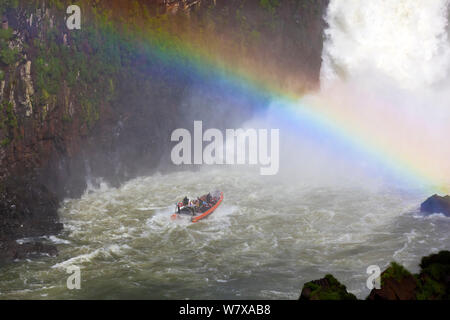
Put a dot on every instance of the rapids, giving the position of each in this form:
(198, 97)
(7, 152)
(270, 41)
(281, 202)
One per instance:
(268, 237)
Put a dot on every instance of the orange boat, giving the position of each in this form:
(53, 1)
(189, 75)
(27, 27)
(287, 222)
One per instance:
(199, 212)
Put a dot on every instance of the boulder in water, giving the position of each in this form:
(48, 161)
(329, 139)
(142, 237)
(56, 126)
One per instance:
(436, 204)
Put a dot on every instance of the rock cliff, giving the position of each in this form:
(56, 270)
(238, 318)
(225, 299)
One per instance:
(101, 102)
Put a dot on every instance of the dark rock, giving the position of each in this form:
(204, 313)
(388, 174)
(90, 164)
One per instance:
(397, 283)
(327, 288)
(436, 204)
(11, 250)
(27, 209)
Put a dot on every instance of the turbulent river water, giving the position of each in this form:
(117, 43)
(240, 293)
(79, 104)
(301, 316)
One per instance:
(268, 237)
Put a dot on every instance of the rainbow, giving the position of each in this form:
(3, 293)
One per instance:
(379, 133)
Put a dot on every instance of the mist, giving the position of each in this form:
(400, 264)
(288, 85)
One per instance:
(382, 110)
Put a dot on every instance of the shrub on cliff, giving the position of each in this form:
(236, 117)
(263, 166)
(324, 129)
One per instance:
(395, 272)
(7, 4)
(7, 55)
(328, 288)
(432, 283)
(434, 278)
(397, 283)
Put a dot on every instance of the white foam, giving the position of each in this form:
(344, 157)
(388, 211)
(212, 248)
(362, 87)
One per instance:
(88, 257)
(406, 40)
(57, 240)
(83, 258)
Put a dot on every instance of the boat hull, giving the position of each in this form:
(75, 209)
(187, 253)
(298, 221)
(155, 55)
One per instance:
(204, 214)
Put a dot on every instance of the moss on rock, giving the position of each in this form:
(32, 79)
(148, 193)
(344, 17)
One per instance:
(395, 272)
(328, 288)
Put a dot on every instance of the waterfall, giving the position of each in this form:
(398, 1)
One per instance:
(404, 40)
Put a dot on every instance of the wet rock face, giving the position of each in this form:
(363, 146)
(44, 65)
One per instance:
(27, 209)
(396, 290)
(173, 6)
(11, 250)
(436, 204)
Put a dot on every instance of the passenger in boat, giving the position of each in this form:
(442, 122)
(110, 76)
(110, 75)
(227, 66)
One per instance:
(208, 198)
(195, 204)
(192, 206)
(185, 201)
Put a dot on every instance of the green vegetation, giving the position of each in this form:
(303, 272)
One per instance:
(270, 5)
(396, 272)
(7, 117)
(7, 4)
(430, 289)
(432, 281)
(8, 121)
(434, 276)
(90, 112)
(126, 39)
(7, 55)
(88, 65)
(5, 142)
(334, 291)
(442, 258)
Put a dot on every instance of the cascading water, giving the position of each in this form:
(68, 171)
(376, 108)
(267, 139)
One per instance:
(387, 64)
(405, 40)
(274, 233)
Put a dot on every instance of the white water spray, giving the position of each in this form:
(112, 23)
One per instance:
(391, 60)
(405, 40)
